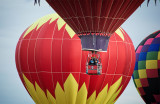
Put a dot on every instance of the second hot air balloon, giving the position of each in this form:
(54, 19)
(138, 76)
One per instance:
(147, 69)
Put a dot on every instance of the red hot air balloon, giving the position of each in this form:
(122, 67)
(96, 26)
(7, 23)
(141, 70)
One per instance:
(52, 65)
(94, 20)
(94, 16)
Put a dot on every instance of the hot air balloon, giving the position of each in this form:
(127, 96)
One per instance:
(52, 65)
(146, 73)
(94, 21)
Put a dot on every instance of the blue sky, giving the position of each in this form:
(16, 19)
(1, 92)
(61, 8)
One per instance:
(17, 15)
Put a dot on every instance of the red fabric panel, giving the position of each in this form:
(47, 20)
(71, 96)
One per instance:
(58, 34)
(96, 11)
(48, 29)
(43, 55)
(71, 56)
(46, 80)
(84, 78)
(105, 10)
(128, 56)
(94, 84)
(107, 80)
(121, 58)
(125, 3)
(78, 27)
(115, 78)
(35, 33)
(104, 60)
(85, 5)
(57, 78)
(116, 6)
(31, 59)
(56, 55)
(112, 58)
(23, 55)
(31, 62)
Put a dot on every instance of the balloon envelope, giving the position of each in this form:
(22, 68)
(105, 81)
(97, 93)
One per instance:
(147, 69)
(52, 65)
(95, 16)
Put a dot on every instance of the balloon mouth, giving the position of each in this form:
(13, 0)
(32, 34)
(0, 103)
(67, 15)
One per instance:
(94, 42)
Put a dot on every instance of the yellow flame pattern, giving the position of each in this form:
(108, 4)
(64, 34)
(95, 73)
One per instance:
(71, 95)
(120, 32)
(53, 17)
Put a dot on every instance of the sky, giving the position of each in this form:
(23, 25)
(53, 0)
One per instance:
(17, 15)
